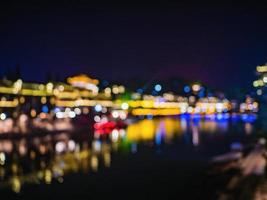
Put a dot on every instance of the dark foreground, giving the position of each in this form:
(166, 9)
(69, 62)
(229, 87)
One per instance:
(128, 178)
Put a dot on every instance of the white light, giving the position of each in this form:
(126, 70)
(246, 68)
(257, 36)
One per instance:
(3, 116)
(49, 87)
(124, 106)
(255, 83)
(97, 118)
(265, 79)
(71, 145)
(77, 111)
(107, 90)
(67, 110)
(259, 92)
(2, 158)
(92, 87)
(121, 89)
(197, 110)
(104, 119)
(190, 109)
(219, 107)
(115, 135)
(97, 145)
(250, 107)
(98, 108)
(60, 147)
(104, 110)
(122, 132)
(115, 114)
(61, 88)
(242, 107)
(72, 114)
(59, 115)
(196, 87)
(115, 89)
(88, 86)
(183, 109)
(123, 115)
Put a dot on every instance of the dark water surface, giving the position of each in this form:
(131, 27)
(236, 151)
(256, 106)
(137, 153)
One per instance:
(163, 158)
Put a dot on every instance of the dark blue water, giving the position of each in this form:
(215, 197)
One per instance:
(151, 159)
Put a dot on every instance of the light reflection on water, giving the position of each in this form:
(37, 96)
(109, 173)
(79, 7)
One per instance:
(49, 158)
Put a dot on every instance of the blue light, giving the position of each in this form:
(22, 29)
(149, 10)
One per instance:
(150, 117)
(105, 83)
(219, 116)
(140, 90)
(186, 89)
(248, 118)
(235, 117)
(226, 115)
(134, 147)
(185, 116)
(158, 138)
(154, 93)
(201, 92)
(210, 95)
(45, 109)
(210, 117)
(158, 87)
(56, 110)
(236, 146)
(196, 117)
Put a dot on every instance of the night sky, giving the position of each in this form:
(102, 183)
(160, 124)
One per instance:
(219, 44)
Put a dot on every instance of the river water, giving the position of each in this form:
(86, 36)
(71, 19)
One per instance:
(152, 158)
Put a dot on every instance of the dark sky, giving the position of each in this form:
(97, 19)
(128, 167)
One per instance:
(220, 44)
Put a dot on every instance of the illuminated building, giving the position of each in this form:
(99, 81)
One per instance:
(84, 82)
(34, 98)
(260, 83)
(82, 94)
(249, 106)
